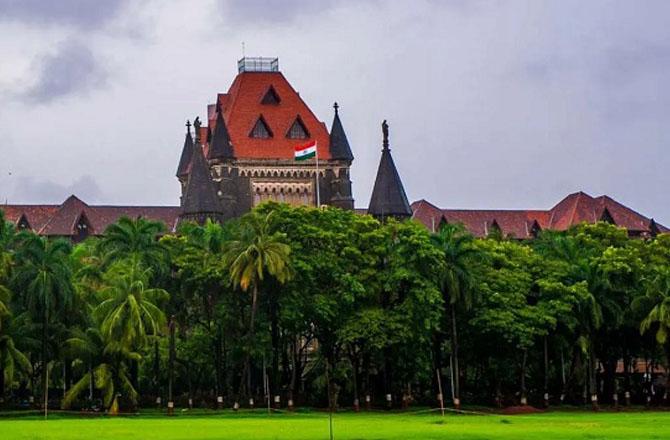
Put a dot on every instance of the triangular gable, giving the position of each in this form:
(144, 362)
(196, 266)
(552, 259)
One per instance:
(271, 97)
(298, 130)
(261, 130)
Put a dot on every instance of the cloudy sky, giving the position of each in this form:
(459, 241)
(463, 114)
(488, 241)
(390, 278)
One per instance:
(491, 104)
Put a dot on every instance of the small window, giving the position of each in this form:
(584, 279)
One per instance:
(271, 97)
(23, 223)
(82, 228)
(607, 217)
(261, 130)
(298, 130)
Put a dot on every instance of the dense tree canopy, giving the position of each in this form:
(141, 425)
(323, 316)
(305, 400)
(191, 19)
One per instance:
(305, 306)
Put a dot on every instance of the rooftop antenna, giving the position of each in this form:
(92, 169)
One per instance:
(243, 51)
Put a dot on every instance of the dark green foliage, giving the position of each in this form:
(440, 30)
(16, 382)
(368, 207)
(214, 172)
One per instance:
(324, 306)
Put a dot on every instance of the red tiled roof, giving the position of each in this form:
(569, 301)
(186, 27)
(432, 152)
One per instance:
(572, 210)
(61, 220)
(242, 108)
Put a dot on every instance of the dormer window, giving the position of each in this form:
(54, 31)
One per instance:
(23, 223)
(261, 130)
(271, 97)
(535, 229)
(607, 217)
(82, 228)
(298, 130)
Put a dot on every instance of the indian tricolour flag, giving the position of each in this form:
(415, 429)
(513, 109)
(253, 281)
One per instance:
(305, 151)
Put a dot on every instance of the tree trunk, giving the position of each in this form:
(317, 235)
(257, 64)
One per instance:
(546, 372)
(45, 373)
(157, 368)
(354, 370)
(294, 374)
(2, 385)
(90, 381)
(454, 351)
(524, 400)
(593, 388)
(218, 360)
(171, 367)
(246, 374)
(275, 337)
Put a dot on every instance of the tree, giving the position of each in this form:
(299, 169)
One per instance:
(6, 241)
(12, 359)
(130, 310)
(658, 296)
(107, 368)
(135, 239)
(44, 279)
(456, 282)
(259, 252)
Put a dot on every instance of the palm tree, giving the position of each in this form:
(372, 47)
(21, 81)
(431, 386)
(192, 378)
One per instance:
(107, 368)
(136, 239)
(6, 239)
(11, 357)
(593, 300)
(658, 297)
(129, 312)
(259, 252)
(456, 281)
(44, 279)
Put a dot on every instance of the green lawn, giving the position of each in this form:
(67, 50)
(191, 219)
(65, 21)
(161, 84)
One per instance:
(311, 426)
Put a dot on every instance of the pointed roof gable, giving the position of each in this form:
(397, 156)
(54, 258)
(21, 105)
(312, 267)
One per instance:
(243, 104)
(339, 144)
(200, 195)
(388, 195)
(64, 220)
(220, 146)
(186, 153)
(524, 224)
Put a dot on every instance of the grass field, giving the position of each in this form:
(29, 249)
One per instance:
(314, 425)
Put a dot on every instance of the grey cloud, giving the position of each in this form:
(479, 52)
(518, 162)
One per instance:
(28, 189)
(73, 69)
(252, 11)
(79, 13)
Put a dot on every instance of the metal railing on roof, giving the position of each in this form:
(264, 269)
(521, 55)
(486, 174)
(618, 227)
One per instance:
(258, 64)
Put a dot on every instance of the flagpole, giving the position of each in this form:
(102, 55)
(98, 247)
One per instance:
(318, 195)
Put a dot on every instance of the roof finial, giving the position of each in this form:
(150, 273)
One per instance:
(336, 106)
(385, 132)
(188, 127)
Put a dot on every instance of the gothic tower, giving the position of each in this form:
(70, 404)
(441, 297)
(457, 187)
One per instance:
(249, 142)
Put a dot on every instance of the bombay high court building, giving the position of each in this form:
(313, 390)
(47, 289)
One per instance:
(243, 155)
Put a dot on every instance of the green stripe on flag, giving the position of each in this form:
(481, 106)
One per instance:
(306, 156)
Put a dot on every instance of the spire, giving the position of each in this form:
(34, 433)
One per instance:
(200, 200)
(388, 195)
(339, 145)
(220, 147)
(186, 152)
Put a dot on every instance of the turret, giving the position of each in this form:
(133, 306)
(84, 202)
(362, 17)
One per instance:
(388, 195)
(200, 201)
